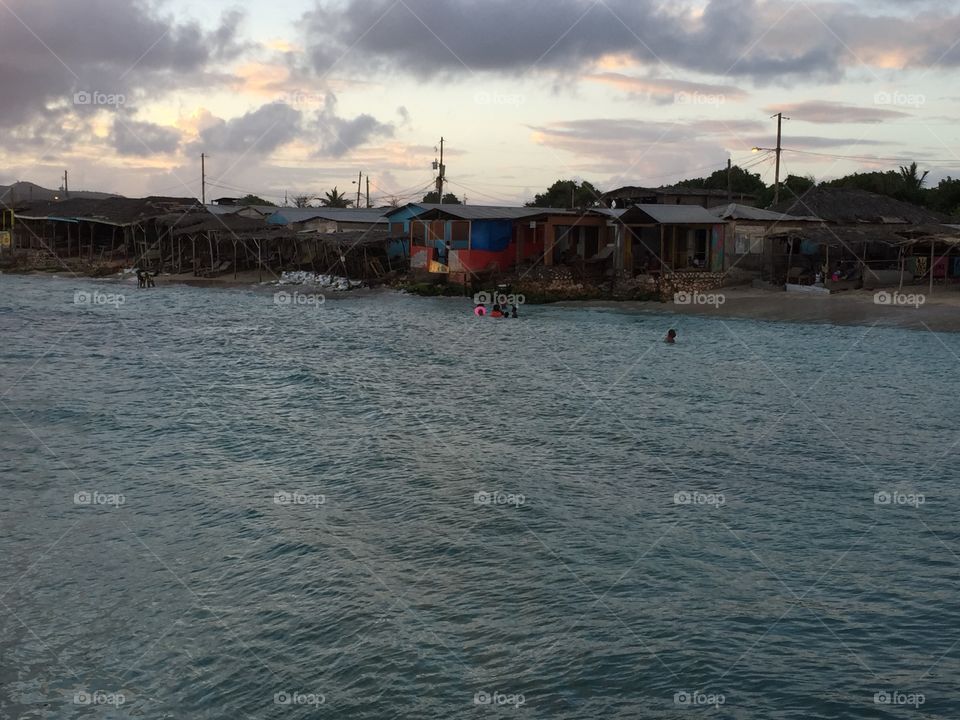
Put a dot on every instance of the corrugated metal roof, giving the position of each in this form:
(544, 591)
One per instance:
(736, 211)
(676, 214)
(485, 212)
(358, 215)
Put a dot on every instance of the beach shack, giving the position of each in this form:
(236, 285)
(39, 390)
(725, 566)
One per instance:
(672, 195)
(97, 230)
(746, 239)
(860, 239)
(329, 220)
(463, 241)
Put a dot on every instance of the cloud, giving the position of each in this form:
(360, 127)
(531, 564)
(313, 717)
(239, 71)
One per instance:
(50, 50)
(339, 135)
(141, 139)
(255, 134)
(666, 89)
(827, 111)
(774, 41)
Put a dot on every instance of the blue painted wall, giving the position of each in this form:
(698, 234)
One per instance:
(492, 235)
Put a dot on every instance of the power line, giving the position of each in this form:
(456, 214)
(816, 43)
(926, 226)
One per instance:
(864, 158)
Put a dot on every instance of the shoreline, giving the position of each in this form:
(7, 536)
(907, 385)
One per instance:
(939, 312)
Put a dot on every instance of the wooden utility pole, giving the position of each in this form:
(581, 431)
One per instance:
(368, 191)
(203, 179)
(776, 178)
(440, 176)
(729, 169)
(359, 183)
(66, 184)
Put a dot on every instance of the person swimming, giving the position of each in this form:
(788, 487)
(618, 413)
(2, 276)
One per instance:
(496, 311)
(513, 311)
(671, 337)
(480, 310)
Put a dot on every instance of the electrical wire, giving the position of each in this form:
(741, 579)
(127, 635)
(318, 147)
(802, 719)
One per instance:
(865, 158)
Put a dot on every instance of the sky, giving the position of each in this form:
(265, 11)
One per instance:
(294, 97)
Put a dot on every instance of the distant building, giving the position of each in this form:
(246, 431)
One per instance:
(705, 198)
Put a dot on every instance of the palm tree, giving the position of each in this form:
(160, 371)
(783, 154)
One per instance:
(334, 199)
(911, 180)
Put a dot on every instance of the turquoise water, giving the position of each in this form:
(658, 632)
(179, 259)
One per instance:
(218, 507)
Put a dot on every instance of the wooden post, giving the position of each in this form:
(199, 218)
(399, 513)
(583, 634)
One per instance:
(789, 262)
(259, 260)
(931, 266)
(234, 258)
(902, 263)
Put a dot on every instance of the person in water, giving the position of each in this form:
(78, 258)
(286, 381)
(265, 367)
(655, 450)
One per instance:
(513, 311)
(496, 311)
(480, 310)
(671, 337)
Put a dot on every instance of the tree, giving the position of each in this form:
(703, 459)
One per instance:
(254, 200)
(799, 184)
(913, 182)
(741, 181)
(448, 198)
(302, 201)
(567, 194)
(945, 197)
(334, 199)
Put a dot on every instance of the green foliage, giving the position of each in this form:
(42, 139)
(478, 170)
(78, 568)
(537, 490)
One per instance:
(448, 198)
(945, 197)
(335, 199)
(563, 192)
(904, 184)
(741, 181)
(254, 200)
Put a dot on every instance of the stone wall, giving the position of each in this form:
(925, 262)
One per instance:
(689, 282)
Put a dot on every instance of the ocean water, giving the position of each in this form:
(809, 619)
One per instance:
(380, 506)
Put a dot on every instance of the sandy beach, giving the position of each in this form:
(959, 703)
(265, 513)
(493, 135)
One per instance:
(939, 312)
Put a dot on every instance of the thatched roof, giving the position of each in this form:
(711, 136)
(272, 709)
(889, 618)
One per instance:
(853, 236)
(848, 206)
(231, 225)
(110, 211)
